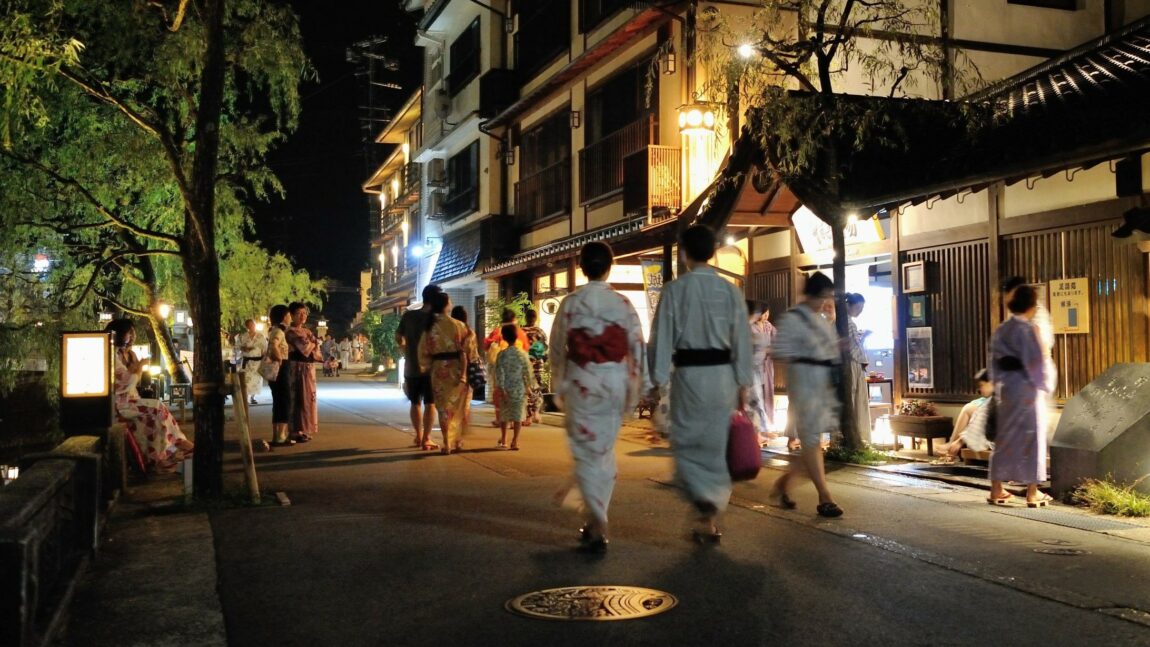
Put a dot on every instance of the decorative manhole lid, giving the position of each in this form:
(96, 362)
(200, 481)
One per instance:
(1065, 552)
(596, 603)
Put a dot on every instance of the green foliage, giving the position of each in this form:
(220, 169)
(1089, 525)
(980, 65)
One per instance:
(1106, 497)
(918, 408)
(380, 329)
(864, 456)
(252, 280)
(493, 309)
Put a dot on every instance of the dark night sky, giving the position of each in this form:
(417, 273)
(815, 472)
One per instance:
(322, 222)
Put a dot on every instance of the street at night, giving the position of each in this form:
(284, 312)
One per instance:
(384, 544)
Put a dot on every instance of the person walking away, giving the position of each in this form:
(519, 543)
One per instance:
(859, 362)
(513, 380)
(251, 345)
(416, 382)
(443, 355)
(701, 328)
(151, 424)
(1018, 371)
(809, 346)
(278, 351)
(459, 313)
(537, 354)
(304, 353)
(345, 353)
(598, 369)
(756, 403)
(493, 344)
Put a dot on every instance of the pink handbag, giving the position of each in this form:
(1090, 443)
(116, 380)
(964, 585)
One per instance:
(744, 458)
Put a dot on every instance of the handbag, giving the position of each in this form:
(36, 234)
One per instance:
(744, 458)
(269, 369)
(476, 376)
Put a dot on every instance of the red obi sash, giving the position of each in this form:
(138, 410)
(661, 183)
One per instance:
(609, 346)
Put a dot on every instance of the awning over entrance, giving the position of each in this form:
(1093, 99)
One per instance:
(625, 237)
(459, 256)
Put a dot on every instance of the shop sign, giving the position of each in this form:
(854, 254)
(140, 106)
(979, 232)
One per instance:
(1070, 306)
(815, 235)
(652, 283)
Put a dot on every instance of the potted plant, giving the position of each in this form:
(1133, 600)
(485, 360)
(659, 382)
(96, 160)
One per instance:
(920, 419)
(380, 331)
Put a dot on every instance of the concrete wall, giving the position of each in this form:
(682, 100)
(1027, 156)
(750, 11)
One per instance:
(945, 214)
(772, 246)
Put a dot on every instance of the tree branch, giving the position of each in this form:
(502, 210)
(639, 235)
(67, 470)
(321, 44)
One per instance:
(116, 302)
(93, 200)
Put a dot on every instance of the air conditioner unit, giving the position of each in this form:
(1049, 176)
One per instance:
(442, 104)
(435, 205)
(436, 173)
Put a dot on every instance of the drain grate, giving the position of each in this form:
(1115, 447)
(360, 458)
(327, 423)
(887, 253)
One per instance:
(597, 603)
(1081, 522)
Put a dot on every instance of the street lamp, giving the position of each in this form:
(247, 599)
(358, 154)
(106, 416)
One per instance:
(746, 51)
(105, 317)
(163, 309)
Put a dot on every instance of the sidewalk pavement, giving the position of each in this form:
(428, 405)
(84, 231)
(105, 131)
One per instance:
(155, 581)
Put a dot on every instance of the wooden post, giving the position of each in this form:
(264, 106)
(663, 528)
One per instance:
(240, 403)
(995, 196)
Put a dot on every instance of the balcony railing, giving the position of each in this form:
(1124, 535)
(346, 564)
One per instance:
(389, 221)
(653, 183)
(544, 194)
(601, 163)
(460, 204)
(412, 178)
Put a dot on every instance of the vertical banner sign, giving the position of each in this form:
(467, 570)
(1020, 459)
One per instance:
(652, 283)
(1070, 306)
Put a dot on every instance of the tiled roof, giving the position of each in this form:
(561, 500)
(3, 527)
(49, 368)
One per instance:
(568, 246)
(459, 256)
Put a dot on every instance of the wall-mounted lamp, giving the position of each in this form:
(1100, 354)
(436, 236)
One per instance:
(509, 156)
(576, 119)
(696, 118)
(509, 25)
(670, 62)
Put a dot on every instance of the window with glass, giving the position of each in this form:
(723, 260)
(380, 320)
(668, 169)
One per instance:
(544, 187)
(544, 33)
(463, 182)
(464, 59)
(594, 12)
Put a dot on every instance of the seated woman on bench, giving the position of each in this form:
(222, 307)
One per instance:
(969, 427)
(150, 423)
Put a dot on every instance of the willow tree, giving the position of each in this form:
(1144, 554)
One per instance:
(206, 86)
(797, 68)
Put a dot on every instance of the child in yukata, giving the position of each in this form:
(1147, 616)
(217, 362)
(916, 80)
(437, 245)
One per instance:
(513, 382)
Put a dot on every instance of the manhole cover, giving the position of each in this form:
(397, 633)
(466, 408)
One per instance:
(1059, 542)
(1065, 552)
(592, 603)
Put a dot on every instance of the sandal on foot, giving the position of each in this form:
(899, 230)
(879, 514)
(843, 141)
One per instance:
(999, 500)
(829, 510)
(781, 500)
(1040, 502)
(707, 536)
(514, 448)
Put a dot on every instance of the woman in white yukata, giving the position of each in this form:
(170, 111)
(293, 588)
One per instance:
(597, 371)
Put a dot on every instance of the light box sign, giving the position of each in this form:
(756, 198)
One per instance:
(86, 359)
(86, 382)
(816, 235)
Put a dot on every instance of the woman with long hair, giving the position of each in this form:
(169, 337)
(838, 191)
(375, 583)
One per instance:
(278, 351)
(443, 352)
(150, 422)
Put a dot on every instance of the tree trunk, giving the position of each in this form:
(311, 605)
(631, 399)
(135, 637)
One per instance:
(848, 424)
(163, 336)
(201, 264)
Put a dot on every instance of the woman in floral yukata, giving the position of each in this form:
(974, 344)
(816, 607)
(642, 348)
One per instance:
(598, 369)
(443, 352)
(150, 422)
